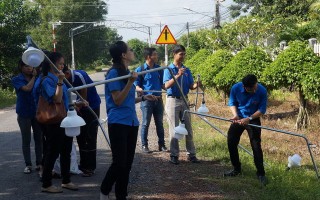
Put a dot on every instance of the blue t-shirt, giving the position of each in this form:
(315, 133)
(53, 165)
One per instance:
(25, 105)
(186, 80)
(79, 78)
(151, 80)
(126, 112)
(248, 103)
(48, 89)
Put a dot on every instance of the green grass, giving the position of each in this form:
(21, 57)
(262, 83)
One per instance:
(297, 183)
(7, 98)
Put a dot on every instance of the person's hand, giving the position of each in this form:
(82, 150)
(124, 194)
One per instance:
(150, 97)
(139, 92)
(134, 76)
(60, 76)
(34, 73)
(81, 104)
(199, 84)
(181, 71)
(244, 121)
(235, 119)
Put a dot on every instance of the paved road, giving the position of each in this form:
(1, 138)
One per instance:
(15, 185)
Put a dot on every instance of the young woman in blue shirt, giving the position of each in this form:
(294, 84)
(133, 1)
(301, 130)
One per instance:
(26, 111)
(123, 123)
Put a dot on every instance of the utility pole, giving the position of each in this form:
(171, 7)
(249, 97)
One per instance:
(217, 18)
(188, 41)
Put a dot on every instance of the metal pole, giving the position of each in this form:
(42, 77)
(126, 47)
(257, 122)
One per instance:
(166, 55)
(72, 51)
(54, 37)
(267, 128)
(149, 30)
(198, 82)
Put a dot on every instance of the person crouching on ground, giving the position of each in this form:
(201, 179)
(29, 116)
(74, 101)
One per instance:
(248, 102)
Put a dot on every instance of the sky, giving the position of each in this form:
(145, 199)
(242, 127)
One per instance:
(157, 13)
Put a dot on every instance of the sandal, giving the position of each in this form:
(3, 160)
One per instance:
(27, 170)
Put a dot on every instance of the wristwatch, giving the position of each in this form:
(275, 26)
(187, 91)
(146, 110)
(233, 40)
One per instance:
(250, 118)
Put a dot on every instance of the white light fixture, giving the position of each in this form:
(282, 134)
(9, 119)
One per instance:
(72, 123)
(33, 57)
(203, 108)
(294, 161)
(180, 131)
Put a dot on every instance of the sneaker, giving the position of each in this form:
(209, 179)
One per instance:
(193, 159)
(51, 189)
(232, 173)
(174, 160)
(70, 186)
(27, 170)
(263, 180)
(163, 148)
(145, 149)
(103, 196)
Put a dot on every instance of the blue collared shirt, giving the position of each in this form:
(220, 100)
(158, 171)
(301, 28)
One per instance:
(48, 89)
(151, 80)
(248, 103)
(126, 112)
(79, 78)
(25, 105)
(186, 80)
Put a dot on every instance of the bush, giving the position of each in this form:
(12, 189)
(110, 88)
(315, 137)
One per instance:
(196, 60)
(212, 66)
(251, 60)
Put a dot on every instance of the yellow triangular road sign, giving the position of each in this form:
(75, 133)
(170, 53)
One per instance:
(166, 37)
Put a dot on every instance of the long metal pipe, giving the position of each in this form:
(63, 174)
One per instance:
(163, 91)
(266, 128)
(74, 89)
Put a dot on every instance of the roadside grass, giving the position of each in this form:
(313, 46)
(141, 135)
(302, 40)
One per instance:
(296, 183)
(7, 98)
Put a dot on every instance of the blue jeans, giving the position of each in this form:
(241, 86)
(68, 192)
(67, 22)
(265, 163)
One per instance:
(148, 109)
(25, 125)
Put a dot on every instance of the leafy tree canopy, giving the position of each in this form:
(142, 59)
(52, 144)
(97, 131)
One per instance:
(90, 45)
(194, 63)
(273, 8)
(251, 60)
(213, 65)
(15, 18)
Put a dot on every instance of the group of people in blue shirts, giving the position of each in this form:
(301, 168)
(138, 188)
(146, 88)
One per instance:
(247, 103)
(50, 139)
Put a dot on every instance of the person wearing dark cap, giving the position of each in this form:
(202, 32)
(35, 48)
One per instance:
(248, 102)
(175, 106)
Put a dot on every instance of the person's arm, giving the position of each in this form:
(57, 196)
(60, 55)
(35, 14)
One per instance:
(29, 86)
(59, 89)
(149, 97)
(119, 96)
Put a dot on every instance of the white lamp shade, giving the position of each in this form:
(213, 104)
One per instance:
(72, 123)
(72, 131)
(33, 57)
(294, 161)
(180, 131)
(203, 109)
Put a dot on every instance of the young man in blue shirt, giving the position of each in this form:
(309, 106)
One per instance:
(87, 140)
(151, 81)
(248, 102)
(175, 105)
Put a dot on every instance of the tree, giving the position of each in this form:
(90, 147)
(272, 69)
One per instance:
(273, 9)
(251, 60)
(138, 48)
(15, 18)
(196, 60)
(246, 31)
(290, 69)
(89, 45)
(199, 39)
(212, 66)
